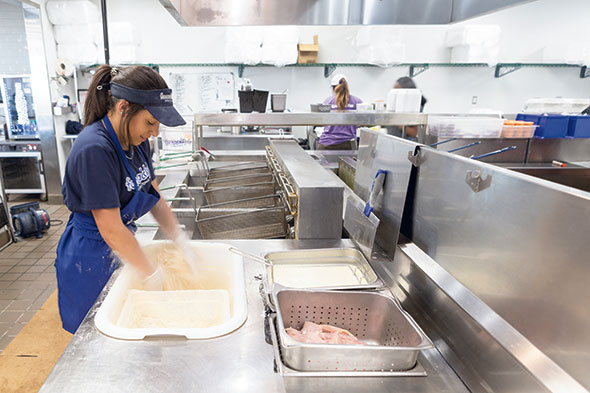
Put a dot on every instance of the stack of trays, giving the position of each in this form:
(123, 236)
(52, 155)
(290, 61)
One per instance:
(338, 287)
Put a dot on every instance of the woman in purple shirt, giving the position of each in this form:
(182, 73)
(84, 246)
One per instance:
(339, 137)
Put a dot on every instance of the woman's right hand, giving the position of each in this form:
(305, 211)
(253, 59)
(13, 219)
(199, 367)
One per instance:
(155, 281)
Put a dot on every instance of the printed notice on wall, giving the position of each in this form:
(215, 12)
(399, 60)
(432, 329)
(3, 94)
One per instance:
(202, 92)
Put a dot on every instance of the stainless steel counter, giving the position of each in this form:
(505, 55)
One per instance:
(239, 362)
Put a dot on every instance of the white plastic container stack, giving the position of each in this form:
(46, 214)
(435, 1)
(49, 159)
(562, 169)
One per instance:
(380, 45)
(556, 105)
(279, 45)
(404, 100)
(464, 127)
(474, 43)
(73, 21)
(72, 12)
(122, 42)
(243, 45)
(569, 53)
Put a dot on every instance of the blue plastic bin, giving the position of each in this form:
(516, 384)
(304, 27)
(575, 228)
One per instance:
(552, 126)
(528, 117)
(579, 126)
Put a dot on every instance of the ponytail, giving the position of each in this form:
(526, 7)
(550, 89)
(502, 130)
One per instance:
(342, 94)
(99, 100)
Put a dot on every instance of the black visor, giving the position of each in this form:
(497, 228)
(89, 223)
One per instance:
(157, 102)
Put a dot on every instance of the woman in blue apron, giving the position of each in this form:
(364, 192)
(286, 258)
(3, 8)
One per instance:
(109, 183)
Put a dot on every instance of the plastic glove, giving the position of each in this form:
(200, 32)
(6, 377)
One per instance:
(155, 281)
(183, 242)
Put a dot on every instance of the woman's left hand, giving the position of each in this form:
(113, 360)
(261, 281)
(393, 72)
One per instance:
(183, 242)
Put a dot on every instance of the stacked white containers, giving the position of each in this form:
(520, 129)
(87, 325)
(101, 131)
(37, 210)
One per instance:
(77, 29)
(73, 29)
(474, 43)
(404, 100)
(243, 45)
(252, 45)
(279, 45)
(380, 45)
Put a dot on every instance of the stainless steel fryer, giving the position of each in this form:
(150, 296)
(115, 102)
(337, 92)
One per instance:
(393, 339)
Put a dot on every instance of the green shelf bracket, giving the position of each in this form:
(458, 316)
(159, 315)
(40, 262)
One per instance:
(584, 72)
(329, 70)
(505, 69)
(240, 70)
(417, 69)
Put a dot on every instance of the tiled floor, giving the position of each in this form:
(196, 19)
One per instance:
(27, 276)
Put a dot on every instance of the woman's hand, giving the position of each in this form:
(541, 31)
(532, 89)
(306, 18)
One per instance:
(122, 241)
(155, 281)
(167, 220)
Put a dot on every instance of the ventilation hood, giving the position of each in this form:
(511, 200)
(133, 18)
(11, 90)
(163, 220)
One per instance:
(328, 12)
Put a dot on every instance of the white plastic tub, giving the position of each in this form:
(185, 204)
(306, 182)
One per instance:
(222, 269)
(464, 127)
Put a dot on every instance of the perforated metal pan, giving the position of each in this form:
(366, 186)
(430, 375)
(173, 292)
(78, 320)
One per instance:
(393, 339)
(417, 371)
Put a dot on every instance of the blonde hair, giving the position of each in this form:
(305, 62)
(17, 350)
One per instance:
(342, 94)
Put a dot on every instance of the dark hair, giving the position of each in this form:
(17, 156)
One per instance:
(405, 82)
(342, 94)
(99, 100)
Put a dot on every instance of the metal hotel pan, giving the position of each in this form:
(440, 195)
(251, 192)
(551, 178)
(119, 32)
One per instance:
(231, 194)
(348, 258)
(394, 339)
(285, 371)
(264, 223)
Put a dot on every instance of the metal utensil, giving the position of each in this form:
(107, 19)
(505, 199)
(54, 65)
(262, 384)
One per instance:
(463, 147)
(441, 142)
(493, 152)
(252, 257)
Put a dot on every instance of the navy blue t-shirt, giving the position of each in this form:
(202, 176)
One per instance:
(95, 175)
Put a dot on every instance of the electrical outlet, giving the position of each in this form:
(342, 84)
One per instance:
(474, 100)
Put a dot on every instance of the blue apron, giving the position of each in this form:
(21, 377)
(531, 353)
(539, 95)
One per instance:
(84, 261)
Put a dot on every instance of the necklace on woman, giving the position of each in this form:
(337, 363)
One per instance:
(131, 156)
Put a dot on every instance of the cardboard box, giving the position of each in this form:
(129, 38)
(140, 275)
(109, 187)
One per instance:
(308, 53)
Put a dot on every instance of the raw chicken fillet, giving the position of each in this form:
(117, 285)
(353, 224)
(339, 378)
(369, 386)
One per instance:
(312, 333)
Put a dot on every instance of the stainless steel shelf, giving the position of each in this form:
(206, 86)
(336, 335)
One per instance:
(304, 119)
(311, 118)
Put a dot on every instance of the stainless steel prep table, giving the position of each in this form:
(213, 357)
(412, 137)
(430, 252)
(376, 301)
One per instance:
(239, 362)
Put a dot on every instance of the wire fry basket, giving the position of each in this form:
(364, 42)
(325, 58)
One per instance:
(273, 200)
(264, 223)
(238, 193)
(229, 173)
(242, 180)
